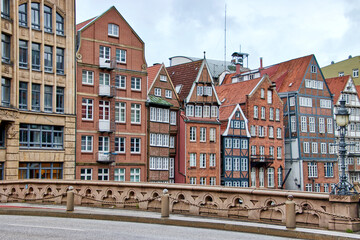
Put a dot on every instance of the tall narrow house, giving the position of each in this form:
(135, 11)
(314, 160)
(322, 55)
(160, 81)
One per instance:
(309, 124)
(163, 112)
(111, 97)
(37, 111)
(199, 127)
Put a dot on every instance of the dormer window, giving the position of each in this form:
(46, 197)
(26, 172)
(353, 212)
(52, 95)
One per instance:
(341, 74)
(113, 30)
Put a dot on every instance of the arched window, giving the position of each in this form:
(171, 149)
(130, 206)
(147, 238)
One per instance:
(35, 16)
(59, 24)
(47, 19)
(23, 15)
(113, 30)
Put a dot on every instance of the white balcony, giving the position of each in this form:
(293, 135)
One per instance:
(104, 126)
(104, 90)
(104, 157)
(107, 63)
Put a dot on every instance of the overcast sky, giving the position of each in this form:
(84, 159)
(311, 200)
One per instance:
(277, 30)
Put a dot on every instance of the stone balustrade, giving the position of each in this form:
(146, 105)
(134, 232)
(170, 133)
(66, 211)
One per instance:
(313, 209)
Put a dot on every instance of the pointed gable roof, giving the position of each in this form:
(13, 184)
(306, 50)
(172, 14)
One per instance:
(288, 75)
(153, 72)
(82, 26)
(184, 74)
(337, 85)
(235, 93)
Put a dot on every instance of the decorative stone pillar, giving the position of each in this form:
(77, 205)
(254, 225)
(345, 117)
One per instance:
(345, 205)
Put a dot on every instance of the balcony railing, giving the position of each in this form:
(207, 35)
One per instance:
(107, 91)
(261, 160)
(106, 126)
(105, 157)
(107, 63)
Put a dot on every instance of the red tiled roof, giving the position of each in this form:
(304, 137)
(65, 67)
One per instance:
(228, 78)
(184, 74)
(336, 85)
(82, 24)
(226, 111)
(358, 90)
(288, 75)
(236, 92)
(152, 72)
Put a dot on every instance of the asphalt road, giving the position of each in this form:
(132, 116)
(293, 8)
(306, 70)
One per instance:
(29, 227)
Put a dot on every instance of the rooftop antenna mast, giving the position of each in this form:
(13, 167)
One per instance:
(225, 42)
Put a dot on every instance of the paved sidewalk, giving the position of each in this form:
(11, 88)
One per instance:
(174, 219)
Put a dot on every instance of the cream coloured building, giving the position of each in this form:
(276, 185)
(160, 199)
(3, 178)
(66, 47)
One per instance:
(37, 110)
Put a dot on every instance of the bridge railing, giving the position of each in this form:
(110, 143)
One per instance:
(314, 209)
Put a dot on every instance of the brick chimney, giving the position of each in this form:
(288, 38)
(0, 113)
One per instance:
(261, 62)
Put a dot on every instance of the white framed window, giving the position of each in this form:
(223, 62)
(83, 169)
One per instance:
(202, 180)
(308, 187)
(292, 101)
(190, 110)
(261, 177)
(293, 123)
(271, 151)
(120, 144)
(253, 150)
(157, 92)
(172, 142)
(278, 133)
(279, 152)
(236, 162)
(326, 187)
(135, 175)
(314, 147)
(212, 160)
(341, 74)
(86, 174)
(330, 125)
(312, 124)
(212, 181)
(103, 144)
(244, 144)
(214, 111)
(355, 73)
(87, 109)
(271, 113)
(86, 143)
(312, 169)
(305, 102)
(171, 167)
(202, 160)
(193, 180)
(306, 147)
(172, 118)
(212, 134)
(200, 90)
(270, 178)
(206, 112)
(198, 111)
(135, 145)
(120, 112)
(263, 113)
(113, 30)
(163, 78)
(244, 164)
(120, 55)
(236, 143)
(323, 148)
(303, 124)
(120, 81)
(279, 176)
(103, 174)
(256, 112)
(277, 114)
(228, 143)
(104, 52)
(87, 77)
(202, 134)
(119, 174)
(329, 169)
(325, 103)
(228, 164)
(168, 93)
(192, 159)
(321, 125)
(166, 113)
(192, 134)
(208, 91)
(269, 97)
(262, 151)
(253, 130)
(262, 93)
(253, 177)
(152, 114)
(135, 113)
(271, 132)
(313, 69)
(135, 83)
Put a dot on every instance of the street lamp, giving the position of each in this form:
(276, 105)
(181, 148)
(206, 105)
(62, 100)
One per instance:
(342, 120)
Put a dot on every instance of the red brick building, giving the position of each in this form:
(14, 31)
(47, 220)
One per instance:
(199, 128)
(111, 97)
(262, 108)
(163, 113)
